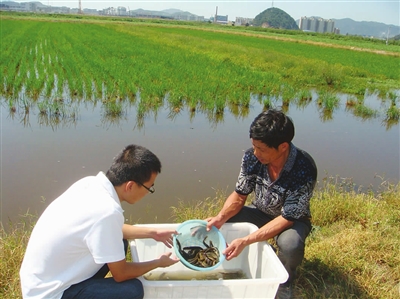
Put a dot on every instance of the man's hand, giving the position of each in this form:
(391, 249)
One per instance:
(165, 236)
(232, 206)
(216, 221)
(166, 260)
(234, 249)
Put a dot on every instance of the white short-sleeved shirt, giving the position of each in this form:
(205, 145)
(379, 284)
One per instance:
(75, 236)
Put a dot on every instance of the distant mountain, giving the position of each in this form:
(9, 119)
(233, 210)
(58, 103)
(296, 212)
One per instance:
(167, 13)
(275, 18)
(13, 4)
(172, 11)
(375, 29)
(364, 28)
(145, 12)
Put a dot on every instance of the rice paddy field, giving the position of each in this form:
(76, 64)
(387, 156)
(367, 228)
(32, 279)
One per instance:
(49, 63)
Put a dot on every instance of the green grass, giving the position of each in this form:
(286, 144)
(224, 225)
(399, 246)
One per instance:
(352, 252)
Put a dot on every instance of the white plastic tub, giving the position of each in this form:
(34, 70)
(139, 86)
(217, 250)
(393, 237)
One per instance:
(259, 263)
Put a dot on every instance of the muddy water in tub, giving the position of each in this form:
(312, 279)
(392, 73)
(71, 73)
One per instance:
(195, 275)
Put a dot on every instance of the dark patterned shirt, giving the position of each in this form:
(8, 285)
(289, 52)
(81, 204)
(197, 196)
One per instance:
(289, 195)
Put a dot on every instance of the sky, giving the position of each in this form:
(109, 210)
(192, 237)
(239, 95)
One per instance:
(383, 11)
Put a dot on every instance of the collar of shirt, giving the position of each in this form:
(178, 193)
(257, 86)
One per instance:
(291, 158)
(105, 182)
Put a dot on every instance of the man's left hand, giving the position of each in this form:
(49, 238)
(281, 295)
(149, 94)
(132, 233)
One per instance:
(165, 236)
(234, 249)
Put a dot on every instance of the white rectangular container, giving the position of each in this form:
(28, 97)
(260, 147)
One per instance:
(261, 266)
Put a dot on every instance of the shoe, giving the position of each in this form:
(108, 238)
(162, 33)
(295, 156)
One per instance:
(285, 291)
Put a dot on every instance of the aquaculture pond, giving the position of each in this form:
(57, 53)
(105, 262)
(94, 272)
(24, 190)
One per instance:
(42, 153)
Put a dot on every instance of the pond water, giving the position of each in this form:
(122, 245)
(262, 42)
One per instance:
(199, 156)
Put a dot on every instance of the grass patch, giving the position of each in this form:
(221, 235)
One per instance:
(13, 243)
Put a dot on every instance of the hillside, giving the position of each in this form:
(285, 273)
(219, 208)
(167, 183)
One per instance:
(376, 29)
(275, 18)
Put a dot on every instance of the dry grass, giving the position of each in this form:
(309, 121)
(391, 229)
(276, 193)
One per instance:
(12, 249)
(352, 252)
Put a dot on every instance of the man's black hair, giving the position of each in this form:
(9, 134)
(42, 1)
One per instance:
(273, 128)
(134, 163)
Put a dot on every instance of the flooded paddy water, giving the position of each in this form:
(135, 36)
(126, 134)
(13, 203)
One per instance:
(41, 158)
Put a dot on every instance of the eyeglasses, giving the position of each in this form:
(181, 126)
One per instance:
(151, 189)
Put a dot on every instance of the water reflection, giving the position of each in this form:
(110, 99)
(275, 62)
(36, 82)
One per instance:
(325, 115)
(389, 124)
(200, 148)
(58, 112)
(55, 111)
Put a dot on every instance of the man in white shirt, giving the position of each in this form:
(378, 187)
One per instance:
(79, 237)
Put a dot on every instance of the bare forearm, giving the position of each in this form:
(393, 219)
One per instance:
(268, 231)
(137, 232)
(134, 270)
(122, 270)
(232, 206)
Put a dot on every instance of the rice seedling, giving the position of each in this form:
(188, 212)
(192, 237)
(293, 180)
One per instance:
(11, 105)
(42, 106)
(267, 103)
(351, 101)
(327, 101)
(392, 113)
(364, 112)
(113, 108)
(303, 98)
(26, 104)
(392, 96)
(304, 95)
(288, 94)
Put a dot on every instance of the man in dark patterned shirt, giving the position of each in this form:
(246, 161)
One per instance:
(282, 178)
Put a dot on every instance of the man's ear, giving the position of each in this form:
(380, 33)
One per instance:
(129, 185)
(283, 146)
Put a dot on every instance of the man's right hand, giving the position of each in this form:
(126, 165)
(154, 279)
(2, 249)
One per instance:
(231, 207)
(216, 221)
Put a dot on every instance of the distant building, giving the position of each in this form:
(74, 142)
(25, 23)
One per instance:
(87, 11)
(188, 17)
(33, 7)
(244, 21)
(317, 25)
(109, 11)
(56, 9)
(219, 19)
(121, 11)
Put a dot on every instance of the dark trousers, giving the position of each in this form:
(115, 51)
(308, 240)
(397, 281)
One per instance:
(99, 287)
(290, 242)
